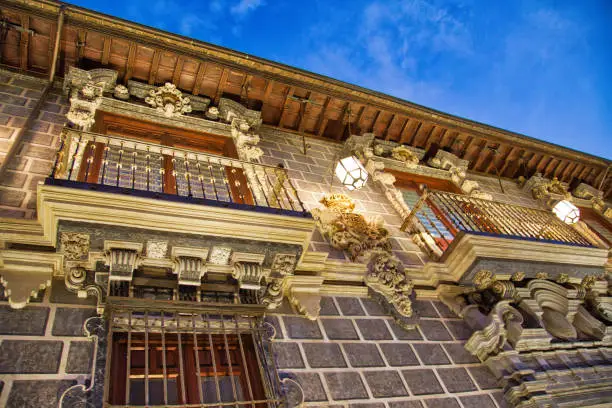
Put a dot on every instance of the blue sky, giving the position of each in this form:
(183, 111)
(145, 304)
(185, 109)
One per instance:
(541, 68)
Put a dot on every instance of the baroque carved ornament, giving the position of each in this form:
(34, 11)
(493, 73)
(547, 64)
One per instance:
(169, 100)
(366, 240)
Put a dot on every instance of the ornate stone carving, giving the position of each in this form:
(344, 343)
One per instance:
(212, 113)
(220, 255)
(587, 192)
(121, 92)
(365, 240)
(245, 140)
(157, 249)
(447, 161)
(350, 231)
(505, 324)
(75, 280)
(284, 264)
(169, 100)
(74, 245)
(518, 276)
(406, 155)
(249, 275)
(86, 89)
(588, 324)
(273, 295)
(230, 110)
(386, 276)
(483, 279)
(122, 262)
(541, 275)
(543, 188)
(189, 270)
(563, 278)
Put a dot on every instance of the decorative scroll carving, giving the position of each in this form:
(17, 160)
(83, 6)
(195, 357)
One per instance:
(273, 294)
(483, 279)
(169, 100)
(74, 245)
(249, 275)
(363, 240)
(386, 276)
(588, 324)
(76, 281)
(230, 110)
(505, 323)
(86, 89)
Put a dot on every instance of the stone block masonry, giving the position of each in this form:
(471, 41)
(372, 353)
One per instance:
(356, 356)
(43, 350)
(36, 154)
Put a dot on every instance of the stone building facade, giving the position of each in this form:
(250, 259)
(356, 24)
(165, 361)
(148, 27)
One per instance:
(188, 203)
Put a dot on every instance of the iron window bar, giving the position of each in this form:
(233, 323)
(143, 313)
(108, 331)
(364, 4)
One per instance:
(195, 344)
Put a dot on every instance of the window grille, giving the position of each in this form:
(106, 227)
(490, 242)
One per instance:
(177, 355)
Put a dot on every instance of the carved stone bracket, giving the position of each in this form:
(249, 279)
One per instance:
(248, 270)
(122, 258)
(544, 189)
(587, 192)
(189, 265)
(304, 295)
(166, 99)
(366, 241)
(86, 89)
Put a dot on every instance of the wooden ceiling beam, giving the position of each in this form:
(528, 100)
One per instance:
(418, 127)
(343, 119)
(402, 129)
(106, 49)
(178, 69)
(373, 125)
(303, 108)
(129, 66)
(24, 41)
(507, 160)
(582, 174)
(245, 87)
(479, 155)
(322, 120)
(221, 85)
(428, 136)
(385, 133)
(199, 78)
(574, 172)
(549, 167)
(466, 146)
(285, 105)
(80, 46)
(154, 67)
(359, 116)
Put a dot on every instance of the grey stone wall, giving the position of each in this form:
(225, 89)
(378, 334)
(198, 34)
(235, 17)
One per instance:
(355, 355)
(36, 153)
(43, 349)
(311, 175)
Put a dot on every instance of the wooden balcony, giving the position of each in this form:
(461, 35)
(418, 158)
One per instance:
(466, 234)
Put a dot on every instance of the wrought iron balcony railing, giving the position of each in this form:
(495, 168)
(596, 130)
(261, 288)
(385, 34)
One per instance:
(438, 217)
(124, 165)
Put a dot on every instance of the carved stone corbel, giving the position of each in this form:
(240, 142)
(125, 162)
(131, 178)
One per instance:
(505, 324)
(248, 270)
(543, 189)
(122, 258)
(588, 324)
(367, 241)
(86, 89)
(273, 294)
(304, 295)
(189, 265)
(76, 281)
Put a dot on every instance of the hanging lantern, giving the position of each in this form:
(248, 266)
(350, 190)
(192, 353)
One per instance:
(351, 173)
(566, 212)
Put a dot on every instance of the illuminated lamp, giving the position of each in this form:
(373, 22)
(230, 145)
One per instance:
(351, 173)
(566, 212)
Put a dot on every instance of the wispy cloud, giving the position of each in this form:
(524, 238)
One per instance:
(245, 7)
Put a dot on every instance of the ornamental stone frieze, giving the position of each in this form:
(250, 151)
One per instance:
(365, 241)
(166, 99)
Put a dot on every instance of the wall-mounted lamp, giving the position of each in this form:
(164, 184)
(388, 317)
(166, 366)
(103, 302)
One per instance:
(351, 173)
(566, 212)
